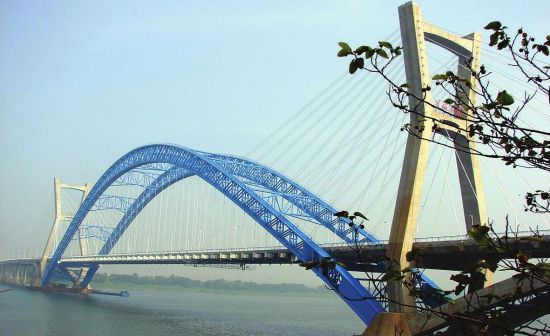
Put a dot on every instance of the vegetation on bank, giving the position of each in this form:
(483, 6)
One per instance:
(129, 281)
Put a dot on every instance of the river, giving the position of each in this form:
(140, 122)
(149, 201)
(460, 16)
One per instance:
(190, 313)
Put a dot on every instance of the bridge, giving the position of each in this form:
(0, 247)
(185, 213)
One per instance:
(118, 219)
(454, 253)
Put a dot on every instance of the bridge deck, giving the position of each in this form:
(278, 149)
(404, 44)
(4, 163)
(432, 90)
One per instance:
(455, 254)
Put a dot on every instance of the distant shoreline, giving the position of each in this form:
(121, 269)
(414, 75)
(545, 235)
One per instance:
(177, 283)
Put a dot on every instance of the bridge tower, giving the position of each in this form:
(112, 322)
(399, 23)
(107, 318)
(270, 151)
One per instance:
(59, 217)
(414, 32)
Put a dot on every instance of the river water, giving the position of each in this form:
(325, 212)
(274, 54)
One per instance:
(195, 312)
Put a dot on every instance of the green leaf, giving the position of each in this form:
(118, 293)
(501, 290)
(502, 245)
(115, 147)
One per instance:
(491, 264)
(345, 51)
(345, 46)
(490, 106)
(342, 213)
(382, 53)
(439, 77)
(309, 265)
(482, 69)
(503, 44)
(505, 98)
(449, 101)
(384, 44)
(495, 25)
(460, 278)
(360, 62)
(362, 49)
(493, 39)
(471, 131)
(353, 66)
(479, 233)
(358, 214)
(411, 255)
(369, 53)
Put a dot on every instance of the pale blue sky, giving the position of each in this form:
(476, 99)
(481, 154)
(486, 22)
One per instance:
(83, 82)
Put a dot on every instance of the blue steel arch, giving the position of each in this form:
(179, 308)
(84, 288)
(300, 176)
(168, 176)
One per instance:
(198, 163)
(162, 182)
(293, 192)
(315, 207)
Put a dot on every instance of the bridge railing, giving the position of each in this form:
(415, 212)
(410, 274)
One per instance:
(464, 237)
(280, 247)
(329, 245)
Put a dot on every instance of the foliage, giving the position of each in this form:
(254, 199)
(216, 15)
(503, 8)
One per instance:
(506, 253)
(488, 118)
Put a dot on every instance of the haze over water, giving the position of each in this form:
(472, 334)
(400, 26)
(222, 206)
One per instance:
(175, 313)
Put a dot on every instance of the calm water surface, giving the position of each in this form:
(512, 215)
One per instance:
(190, 313)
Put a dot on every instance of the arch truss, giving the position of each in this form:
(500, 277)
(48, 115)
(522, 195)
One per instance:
(256, 189)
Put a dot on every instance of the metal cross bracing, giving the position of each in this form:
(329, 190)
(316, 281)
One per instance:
(136, 177)
(94, 231)
(113, 202)
(278, 204)
(271, 199)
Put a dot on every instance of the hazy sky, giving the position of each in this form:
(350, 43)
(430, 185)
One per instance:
(83, 82)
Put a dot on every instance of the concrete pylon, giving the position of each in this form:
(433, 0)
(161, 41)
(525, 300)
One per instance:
(414, 32)
(59, 217)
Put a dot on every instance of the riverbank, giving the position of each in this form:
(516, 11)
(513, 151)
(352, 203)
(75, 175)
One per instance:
(175, 283)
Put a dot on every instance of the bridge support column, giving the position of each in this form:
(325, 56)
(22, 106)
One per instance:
(389, 324)
(414, 32)
(18, 275)
(416, 155)
(60, 216)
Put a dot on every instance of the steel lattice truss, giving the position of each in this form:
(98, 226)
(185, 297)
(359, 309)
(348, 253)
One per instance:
(270, 198)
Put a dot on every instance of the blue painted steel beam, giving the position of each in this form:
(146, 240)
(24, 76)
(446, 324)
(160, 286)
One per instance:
(93, 231)
(339, 279)
(113, 202)
(136, 177)
(304, 200)
(162, 182)
(292, 192)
